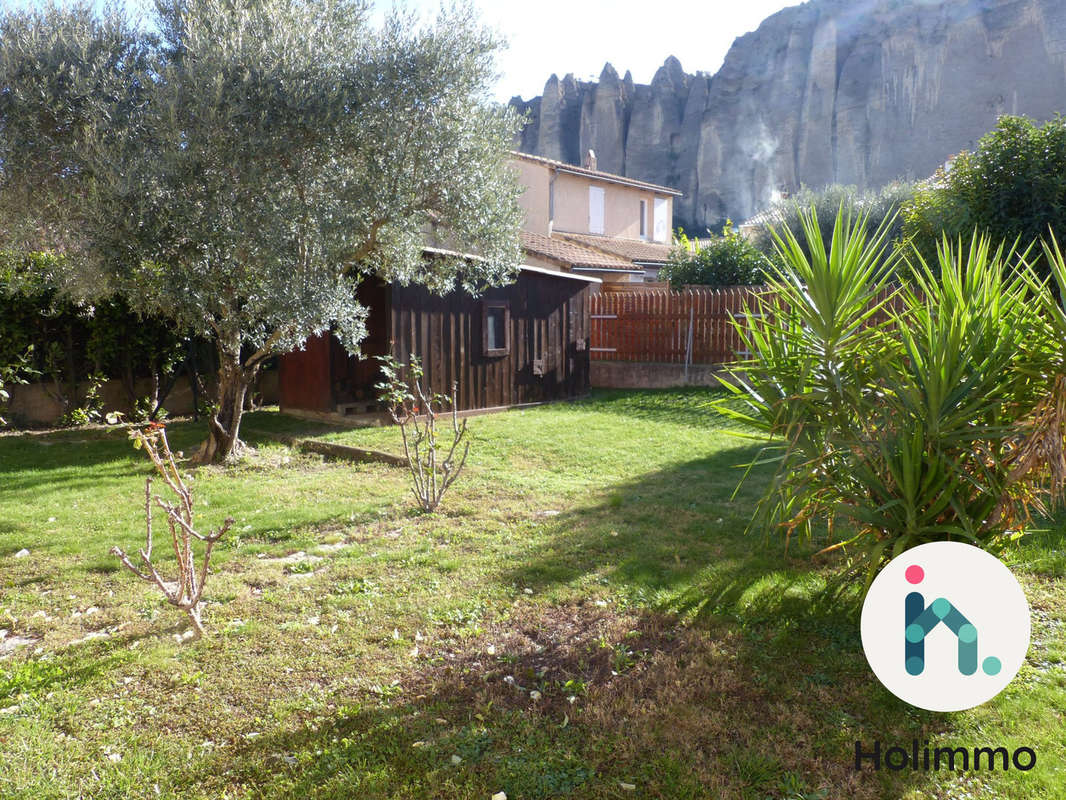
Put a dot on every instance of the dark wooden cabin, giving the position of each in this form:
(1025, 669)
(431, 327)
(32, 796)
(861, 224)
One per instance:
(513, 345)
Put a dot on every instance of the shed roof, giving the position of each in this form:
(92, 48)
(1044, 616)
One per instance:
(555, 273)
(558, 273)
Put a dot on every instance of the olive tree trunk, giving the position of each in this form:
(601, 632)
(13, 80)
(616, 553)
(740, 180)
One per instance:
(234, 379)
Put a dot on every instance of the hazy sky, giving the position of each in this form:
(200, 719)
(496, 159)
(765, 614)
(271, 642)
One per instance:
(579, 36)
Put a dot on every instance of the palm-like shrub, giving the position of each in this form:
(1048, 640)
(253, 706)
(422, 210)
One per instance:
(908, 414)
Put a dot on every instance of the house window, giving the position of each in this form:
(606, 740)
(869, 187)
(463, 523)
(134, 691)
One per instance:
(496, 328)
(596, 209)
(643, 219)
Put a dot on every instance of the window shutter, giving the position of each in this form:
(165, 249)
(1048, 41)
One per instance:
(662, 225)
(596, 209)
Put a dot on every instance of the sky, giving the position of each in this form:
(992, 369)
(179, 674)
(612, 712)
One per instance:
(579, 36)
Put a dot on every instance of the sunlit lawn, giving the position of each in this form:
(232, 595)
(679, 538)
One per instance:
(593, 552)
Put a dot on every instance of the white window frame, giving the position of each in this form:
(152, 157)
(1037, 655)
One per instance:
(644, 219)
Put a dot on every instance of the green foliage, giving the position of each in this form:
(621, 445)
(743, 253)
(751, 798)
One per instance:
(726, 260)
(242, 171)
(77, 340)
(1012, 187)
(879, 207)
(906, 414)
(92, 405)
(16, 371)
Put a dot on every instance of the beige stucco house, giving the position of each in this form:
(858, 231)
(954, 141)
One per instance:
(580, 219)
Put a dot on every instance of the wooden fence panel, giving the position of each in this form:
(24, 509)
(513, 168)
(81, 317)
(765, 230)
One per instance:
(664, 326)
(654, 325)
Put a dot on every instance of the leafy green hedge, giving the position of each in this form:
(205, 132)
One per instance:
(67, 345)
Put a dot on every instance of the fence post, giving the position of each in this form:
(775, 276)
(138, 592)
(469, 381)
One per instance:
(688, 344)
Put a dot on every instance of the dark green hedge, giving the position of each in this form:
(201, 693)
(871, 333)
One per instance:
(72, 343)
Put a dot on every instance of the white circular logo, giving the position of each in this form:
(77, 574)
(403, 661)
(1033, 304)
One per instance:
(945, 626)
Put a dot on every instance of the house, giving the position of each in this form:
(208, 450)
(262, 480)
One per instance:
(523, 343)
(750, 227)
(584, 221)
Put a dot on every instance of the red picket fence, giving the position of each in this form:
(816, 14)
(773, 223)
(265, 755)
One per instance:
(692, 326)
(668, 327)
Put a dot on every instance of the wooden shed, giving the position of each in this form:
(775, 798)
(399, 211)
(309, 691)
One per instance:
(524, 343)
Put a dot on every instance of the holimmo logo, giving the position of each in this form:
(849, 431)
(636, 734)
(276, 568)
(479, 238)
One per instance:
(945, 626)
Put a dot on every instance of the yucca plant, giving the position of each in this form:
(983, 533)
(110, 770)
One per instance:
(906, 414)
(813, 336)
(1041, 451)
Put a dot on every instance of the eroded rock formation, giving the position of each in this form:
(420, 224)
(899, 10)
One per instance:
(849, 91)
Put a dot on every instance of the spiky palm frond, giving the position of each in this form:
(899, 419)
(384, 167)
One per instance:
(917, 413)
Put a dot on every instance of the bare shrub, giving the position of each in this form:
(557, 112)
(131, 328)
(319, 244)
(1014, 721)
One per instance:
(185, 592)
(416, 409)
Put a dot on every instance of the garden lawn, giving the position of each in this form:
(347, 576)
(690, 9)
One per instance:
(584, 617)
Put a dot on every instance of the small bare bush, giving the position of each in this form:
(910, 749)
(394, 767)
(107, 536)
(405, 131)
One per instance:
(416, 409)
(187, 590)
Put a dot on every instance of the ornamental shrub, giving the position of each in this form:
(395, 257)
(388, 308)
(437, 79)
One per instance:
(726, 260)
(909, 414)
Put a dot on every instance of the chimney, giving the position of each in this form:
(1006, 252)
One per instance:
(590, 159)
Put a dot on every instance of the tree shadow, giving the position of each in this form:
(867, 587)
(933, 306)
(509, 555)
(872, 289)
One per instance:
(623, 695)
(32, 453)
(678, 531)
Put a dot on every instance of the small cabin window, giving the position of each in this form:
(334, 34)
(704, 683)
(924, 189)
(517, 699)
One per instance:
(643, 219)
(496, 327)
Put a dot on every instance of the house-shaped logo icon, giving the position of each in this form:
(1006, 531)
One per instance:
(921, 619)
(961, 647)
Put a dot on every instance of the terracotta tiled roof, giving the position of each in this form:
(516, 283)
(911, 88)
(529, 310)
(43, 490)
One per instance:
(767, 216)
(571, 253)
(595, 173)
(631, 249)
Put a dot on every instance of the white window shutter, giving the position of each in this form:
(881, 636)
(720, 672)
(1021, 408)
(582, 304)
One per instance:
(596, 209)
(661, 230)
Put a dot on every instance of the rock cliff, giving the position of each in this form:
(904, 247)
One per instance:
(832, 91)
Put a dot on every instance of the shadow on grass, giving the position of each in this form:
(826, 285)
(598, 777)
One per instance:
(625, 696)
(35, 453)
(675, 541)
(718, 668)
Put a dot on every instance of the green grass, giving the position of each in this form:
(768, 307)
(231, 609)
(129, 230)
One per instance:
(593, 552)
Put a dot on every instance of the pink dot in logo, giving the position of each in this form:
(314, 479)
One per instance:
(914, 574)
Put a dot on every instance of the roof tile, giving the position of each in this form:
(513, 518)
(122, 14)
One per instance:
(631, 249)
(571, 253)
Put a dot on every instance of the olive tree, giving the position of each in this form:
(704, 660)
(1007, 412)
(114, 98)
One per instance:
(241, 165)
